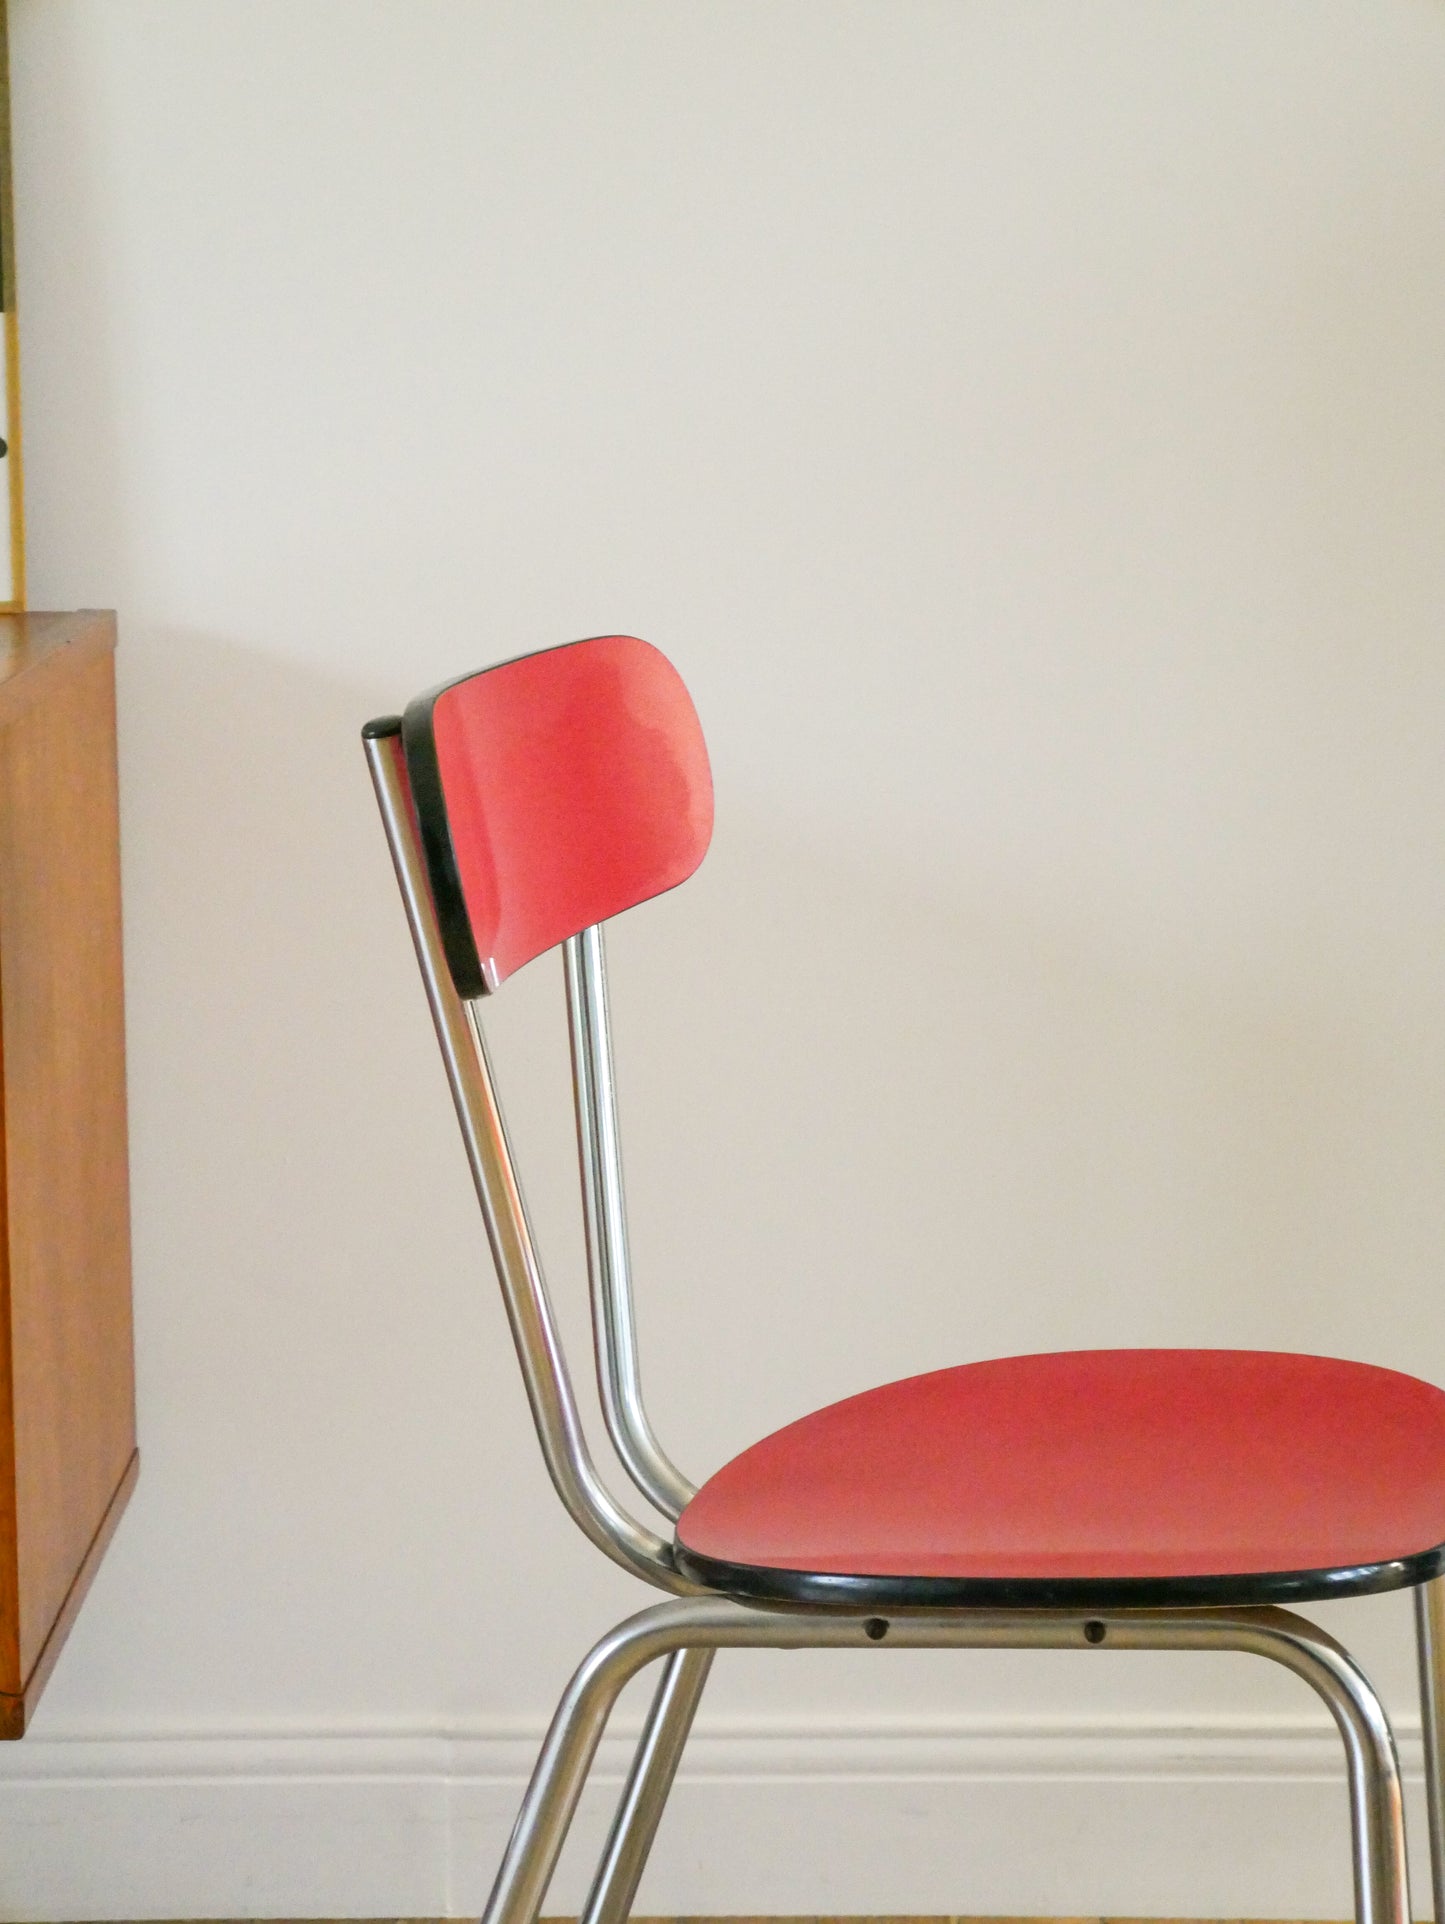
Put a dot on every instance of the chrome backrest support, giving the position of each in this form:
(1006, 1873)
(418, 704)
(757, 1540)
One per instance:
(534, 1328)
(609, 1269)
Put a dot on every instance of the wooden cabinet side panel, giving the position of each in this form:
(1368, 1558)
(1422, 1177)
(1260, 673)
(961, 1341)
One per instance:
(72, 1378)
(12, 1677)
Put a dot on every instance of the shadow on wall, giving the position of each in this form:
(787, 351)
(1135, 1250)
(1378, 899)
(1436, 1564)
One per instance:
(869, 1130)
(850, 1106)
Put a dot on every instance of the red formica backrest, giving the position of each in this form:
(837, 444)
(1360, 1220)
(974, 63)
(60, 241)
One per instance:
(552, 792)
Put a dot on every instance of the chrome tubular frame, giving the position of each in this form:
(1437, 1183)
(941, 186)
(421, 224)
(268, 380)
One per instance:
(684, 1633)
(654, 1766)
(619, 1381)
(534, 1329)
(708, 1623)
(1430, 1637)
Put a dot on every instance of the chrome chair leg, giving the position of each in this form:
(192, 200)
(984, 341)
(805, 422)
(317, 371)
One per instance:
(561, 1768)
(1430, 1640)
(649, 1781)
(709, 1623)
(1377, 1805)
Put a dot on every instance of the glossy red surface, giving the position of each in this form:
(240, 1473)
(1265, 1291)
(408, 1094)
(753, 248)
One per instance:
(1093, 1464)
(577, 784)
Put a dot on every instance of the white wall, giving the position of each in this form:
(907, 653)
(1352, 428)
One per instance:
(1025, 427)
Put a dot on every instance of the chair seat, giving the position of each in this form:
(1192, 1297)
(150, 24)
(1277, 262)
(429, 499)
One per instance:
(1093, 1478)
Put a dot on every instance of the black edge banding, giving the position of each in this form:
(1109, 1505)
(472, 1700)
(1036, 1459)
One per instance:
(821, 1588)
(418, 740)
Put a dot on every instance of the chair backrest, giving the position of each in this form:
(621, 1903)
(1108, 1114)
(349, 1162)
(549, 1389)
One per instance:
(524, 805)
(552, 792)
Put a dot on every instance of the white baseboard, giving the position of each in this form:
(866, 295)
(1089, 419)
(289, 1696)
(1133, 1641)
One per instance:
(1231, 1818)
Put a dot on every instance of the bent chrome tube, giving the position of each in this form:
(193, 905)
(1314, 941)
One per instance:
(534, 1330)
(1377, 1828)
(1430, 1639)
(654, 1765)
(609, 1268)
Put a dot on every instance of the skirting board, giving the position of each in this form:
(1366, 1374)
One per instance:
(1236, 1818)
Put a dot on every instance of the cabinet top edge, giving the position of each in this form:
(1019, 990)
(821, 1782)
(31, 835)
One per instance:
(37, 646)
(27, 639)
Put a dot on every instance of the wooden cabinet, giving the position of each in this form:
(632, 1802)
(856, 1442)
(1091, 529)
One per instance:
(67, 1398)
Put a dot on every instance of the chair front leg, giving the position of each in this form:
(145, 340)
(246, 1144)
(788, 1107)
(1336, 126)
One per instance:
(1430, 1639)
(645, 1793)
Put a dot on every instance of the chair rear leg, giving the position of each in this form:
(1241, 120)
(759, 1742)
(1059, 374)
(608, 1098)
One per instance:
(1430, 1638)
(648, 1782)
(566, 1757)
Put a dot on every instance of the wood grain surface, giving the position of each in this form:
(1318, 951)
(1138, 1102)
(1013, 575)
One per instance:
(67, 1399)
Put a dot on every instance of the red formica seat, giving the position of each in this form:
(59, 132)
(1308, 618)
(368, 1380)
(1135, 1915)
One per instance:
(1139, 1499)
(1090, 1478)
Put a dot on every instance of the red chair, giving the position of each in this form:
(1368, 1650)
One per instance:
(1130, 1499)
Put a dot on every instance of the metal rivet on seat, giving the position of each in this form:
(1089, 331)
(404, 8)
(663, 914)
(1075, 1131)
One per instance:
(876, 1628)
(1094, 1631)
